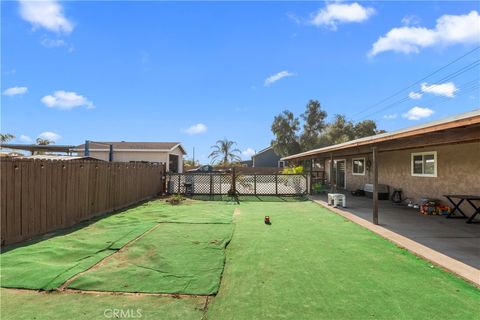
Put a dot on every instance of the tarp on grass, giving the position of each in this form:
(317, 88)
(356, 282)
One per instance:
(174, 258)
(48, 263)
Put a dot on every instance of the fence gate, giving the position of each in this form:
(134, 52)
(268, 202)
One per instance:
(243, 184)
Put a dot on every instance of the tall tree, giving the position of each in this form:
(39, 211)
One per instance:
(366, 128)
(314, 124)
(5, 137)
(340, 130)
(285, 127)
(224, 152)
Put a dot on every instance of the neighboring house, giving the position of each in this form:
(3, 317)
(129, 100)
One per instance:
(170, 153)
(266, 158)
(428, 160)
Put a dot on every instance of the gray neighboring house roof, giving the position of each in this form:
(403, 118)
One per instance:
(131, 146)
(262, 151)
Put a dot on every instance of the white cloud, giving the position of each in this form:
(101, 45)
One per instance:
(274, 78)
(447, 89)
(64, 100)
(449, 30)
(248, 153)
(13, 91)
(49, 135)
(336, 13)
(56, 43)
(196, 129)
(24, 138)
(410, 20)
(415, 95)
(417, 113)
(390, 116)
(47, 14)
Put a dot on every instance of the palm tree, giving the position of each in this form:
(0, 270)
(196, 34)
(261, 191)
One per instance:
(223, 152)
(5, 137)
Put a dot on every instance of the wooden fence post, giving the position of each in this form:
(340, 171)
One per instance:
(276, 184)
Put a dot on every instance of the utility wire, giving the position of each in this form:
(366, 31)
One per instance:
(417, 82)
(448, 77)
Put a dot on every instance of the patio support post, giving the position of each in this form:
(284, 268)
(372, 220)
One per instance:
(375, 184)
(309, 182)
(331, 173)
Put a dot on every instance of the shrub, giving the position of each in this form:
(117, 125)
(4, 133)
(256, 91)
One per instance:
(176, 199)
(293, 170)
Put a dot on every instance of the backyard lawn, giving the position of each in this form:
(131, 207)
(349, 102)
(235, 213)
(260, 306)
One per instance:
(209, 262)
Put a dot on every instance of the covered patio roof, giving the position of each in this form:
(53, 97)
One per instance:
(460, 128)
(36, 147)
(457, 129)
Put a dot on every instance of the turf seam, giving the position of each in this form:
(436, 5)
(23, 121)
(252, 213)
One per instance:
(112, 293)
(70, 280)
(205, 309)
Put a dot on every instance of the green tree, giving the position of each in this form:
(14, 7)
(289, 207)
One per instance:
(224, 152)
(366, 128)
(44, 142)
(339, 131)
(5, 137)
(313, 126)
(285, 127)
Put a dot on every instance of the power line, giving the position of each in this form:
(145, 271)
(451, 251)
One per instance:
(417, 82)
(449, 77)
(465, 91)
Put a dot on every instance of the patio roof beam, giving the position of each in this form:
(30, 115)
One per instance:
(453, 136)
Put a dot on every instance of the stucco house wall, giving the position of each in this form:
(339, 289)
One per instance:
(458, 172)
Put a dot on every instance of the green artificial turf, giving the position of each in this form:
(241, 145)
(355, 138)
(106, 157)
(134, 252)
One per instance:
(173, 258)
(48, 262)
(21, 305)
(192, 212)
(313, 264)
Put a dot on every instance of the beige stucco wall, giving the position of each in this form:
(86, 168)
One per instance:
(458, 172)
(127, 156)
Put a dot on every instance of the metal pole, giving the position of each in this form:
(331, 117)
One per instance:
(110, 154)
(86, 153)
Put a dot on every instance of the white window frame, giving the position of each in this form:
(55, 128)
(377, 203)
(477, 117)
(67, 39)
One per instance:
(434, 153)
(364, 167)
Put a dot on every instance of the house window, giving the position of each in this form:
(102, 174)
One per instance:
(358, 166)
(424, 164)
(281, 164)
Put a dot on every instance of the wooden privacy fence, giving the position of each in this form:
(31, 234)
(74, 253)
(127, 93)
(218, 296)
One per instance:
(39, 196)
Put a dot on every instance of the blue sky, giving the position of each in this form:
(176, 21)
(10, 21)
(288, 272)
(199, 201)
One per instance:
(199, 72)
